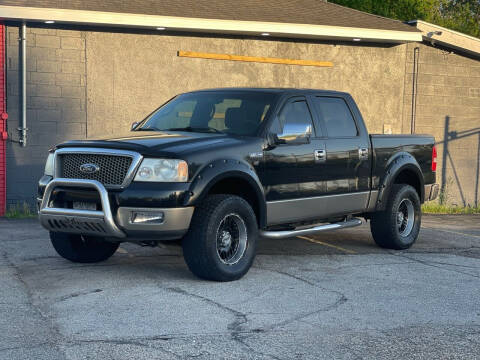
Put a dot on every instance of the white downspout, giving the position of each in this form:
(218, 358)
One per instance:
(23, 129)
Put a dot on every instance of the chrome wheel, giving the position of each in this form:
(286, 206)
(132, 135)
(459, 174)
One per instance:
(231, 239)
(405, 217)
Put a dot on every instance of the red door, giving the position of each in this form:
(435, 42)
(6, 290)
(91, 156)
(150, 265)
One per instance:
(3, 122)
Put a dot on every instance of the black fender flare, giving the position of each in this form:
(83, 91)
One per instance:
(219, 170)
(396, 164)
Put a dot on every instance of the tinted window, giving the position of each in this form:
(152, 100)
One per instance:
(336, 116)
(296, 112)
(239, 113)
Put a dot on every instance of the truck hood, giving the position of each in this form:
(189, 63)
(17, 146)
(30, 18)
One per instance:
(157, 143)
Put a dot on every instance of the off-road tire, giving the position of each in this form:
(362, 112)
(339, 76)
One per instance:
(200, 249)
(82, 249)
(384, 226)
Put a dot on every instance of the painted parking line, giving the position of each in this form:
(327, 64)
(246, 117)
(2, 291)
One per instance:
(327, 244)
(453, 232)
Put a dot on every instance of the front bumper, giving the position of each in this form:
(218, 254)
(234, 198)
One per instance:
(431, 191)
(104, 222)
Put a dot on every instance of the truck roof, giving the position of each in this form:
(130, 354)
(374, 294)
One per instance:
(276, 90)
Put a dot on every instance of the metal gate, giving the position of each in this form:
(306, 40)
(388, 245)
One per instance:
(3, 122)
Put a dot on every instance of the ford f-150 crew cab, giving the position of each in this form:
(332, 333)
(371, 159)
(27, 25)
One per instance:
(220, 168)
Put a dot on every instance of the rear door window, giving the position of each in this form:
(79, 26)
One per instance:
(336, 116)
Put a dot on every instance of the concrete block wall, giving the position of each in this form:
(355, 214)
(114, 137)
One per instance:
(448, 107)
(56, 108)
(117, 78)
(129, 75)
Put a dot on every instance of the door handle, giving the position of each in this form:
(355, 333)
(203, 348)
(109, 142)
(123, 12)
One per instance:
(363, 153)
(320, 155)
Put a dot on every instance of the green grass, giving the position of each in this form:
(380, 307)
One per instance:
(436, 208)
(20, 211)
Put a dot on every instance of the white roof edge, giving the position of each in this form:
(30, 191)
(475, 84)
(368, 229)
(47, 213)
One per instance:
(85, 17)
(443, 28)
(448, 38)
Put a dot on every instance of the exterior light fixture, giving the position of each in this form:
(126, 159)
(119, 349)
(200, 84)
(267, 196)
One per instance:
(161, 28)
(265, 34)
(49, 22)
(431, 33)
(356, 39)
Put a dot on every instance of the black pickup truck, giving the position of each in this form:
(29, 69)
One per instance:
(219, 168)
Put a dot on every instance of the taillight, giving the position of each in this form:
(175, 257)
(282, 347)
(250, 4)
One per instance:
(434, 158)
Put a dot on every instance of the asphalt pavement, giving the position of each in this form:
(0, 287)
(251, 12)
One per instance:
(329, 296)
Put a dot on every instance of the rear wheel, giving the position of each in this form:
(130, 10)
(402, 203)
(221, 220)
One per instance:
(398, 226)
(221, 242)
(82, 249)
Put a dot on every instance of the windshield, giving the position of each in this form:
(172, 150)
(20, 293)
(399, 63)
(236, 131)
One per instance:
(237, 113)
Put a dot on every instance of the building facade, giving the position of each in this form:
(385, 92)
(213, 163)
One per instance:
(91, 80)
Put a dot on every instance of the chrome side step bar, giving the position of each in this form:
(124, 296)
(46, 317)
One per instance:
(315, 229)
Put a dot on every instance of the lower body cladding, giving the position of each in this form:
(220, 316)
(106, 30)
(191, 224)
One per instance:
(319, 207)
(129, 223)
(327, 206)
(289, 211)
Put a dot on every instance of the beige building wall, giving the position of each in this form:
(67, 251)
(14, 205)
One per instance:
(56, 107)
(129, 75)
(448, 107)
(95, 84)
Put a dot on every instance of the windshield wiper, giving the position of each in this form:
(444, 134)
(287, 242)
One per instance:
(147, 129)
(195, 129)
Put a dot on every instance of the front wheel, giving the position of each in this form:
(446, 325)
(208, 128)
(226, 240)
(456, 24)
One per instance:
(82, 249)
(221, 242)
(397, 227)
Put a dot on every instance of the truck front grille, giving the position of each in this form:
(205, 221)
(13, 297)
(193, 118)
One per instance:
(112, 169)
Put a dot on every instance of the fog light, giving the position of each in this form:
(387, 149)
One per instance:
(150, 217)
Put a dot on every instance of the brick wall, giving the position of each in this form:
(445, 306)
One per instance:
(56, 109)
(448, 107)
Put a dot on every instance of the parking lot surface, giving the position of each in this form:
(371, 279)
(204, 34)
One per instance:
(334, 295)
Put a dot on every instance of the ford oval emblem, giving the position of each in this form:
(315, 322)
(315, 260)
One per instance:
(89, 168)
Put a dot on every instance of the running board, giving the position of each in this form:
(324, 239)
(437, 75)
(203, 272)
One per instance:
(290, 233)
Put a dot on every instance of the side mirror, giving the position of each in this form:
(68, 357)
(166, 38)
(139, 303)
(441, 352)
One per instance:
(295, 134)
(134, 125)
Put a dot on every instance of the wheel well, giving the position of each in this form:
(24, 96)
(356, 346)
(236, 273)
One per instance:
(409, 177)
(242, 188)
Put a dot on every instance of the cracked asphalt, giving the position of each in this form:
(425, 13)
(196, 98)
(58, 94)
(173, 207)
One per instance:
(329, 296)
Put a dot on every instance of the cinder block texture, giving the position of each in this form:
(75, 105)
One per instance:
(56, 109)
(448, 107)
(95, 84)
(129, 75)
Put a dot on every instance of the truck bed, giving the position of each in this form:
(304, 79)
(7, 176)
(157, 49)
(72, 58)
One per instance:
(383, 146)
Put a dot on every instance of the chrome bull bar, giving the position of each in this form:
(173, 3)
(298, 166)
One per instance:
(85, 222)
